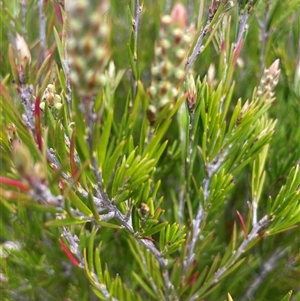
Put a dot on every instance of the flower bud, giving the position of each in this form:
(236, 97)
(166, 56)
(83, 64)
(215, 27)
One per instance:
(144, 209)
(22, 159)
(12, 133)
(180, 54)
(42, 105)
(166, 20)
(58, 106)
(178, 34)
(165, 44)
(269, 81)
(192, 93)
(40, 171)
(211, 72)
(179, 74)
(152, 91)
(179, 15)
(50, 97)
(23, 50)
(111, 70)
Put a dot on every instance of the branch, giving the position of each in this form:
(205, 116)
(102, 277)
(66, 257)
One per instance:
(42, 31)
(243, 25)
(24, 13)
(67, 74)
(102, 202)
(211, 169)
(235, 256)
(198, 47)
(196, 223)
(135, 26)
(264, 35)
(267, 267)
(25, 94)
(137, 11)
(73, 241)
(149, 246)
(215, 12)
(42, 192)
(254, 211)
(91, 119)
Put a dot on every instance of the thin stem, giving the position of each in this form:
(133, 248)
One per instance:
(91, 118)
(267, 267)
(243, 23)
(149, 246)
(102, 288)
(152, 282)
(198, 47)
(42, 31)
(196, 222)
(182, 200)
(233, 259)
(137, 11)
(195, 235)
(66, 67)
(24, 12)
(135, 25)
(186, 165)
(254, 211)
(25, 94)
(264, 35)
(236, 255)
(200, 216)
(213, 11)
(42, 192)
(68, 83)
(73, 241)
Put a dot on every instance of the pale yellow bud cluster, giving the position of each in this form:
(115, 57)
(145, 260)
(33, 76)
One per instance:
(269, 81)
(171, 50)
(51, 98)
(88, 49)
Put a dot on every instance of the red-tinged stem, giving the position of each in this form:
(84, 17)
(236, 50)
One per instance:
(68, 253)
(15, 183)
(193, 278)
(243, 224)
(58, 13)
(37, 116)
(237, 52)
(72, 160)
(222, 46)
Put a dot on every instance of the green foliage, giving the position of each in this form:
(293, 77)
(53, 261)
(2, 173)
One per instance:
(149, 151)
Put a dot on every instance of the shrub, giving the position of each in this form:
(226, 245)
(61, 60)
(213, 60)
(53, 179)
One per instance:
(150, 151)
